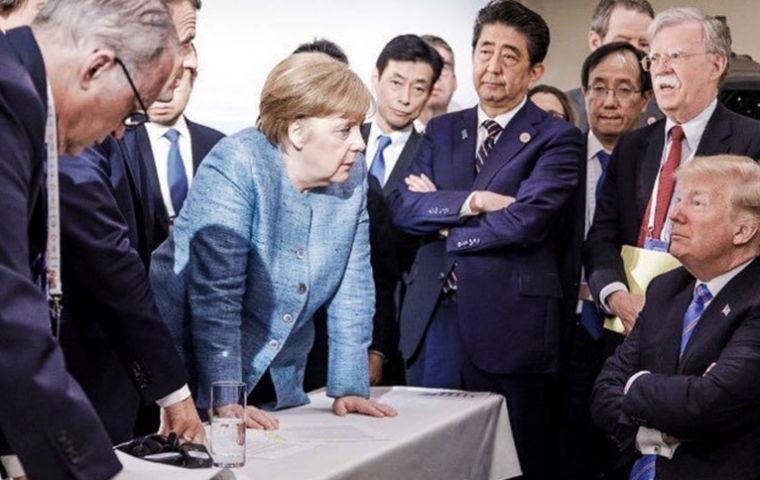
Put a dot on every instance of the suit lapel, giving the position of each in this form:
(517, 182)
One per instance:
(722, 312)
(464, 138)
(365, 128)
(155, 210)
(403, 162)
(518, 133)
(648, 161)
(717, 132)
(195, 145)
(669, 325)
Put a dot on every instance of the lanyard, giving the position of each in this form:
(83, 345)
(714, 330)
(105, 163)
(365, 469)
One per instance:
(53, 251)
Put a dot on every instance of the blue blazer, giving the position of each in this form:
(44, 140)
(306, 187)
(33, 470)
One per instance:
(251, 259)
(45, 417)
(509, 287)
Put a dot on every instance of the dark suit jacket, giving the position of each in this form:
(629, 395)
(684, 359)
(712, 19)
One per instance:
(509, 288)
(579, 104)
(115, 342)
(392, 250)
(718, 414)
(630, 179)
(133, 174)
(45, 417)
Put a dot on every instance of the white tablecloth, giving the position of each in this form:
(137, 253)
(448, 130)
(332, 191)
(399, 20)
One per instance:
(438, 434)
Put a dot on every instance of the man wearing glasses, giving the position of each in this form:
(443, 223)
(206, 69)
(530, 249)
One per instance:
(688, 61)
(616, 90)
(61, 89)
(115, 343)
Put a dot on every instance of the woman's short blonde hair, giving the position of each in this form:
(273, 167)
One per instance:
(309, 85)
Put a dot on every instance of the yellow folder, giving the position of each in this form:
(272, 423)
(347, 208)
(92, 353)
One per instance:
(641, 266)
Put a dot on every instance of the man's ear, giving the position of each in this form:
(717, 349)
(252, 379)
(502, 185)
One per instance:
(536, 72)
(96, 64)
(594, 41)
(745, 233)
(375, 79)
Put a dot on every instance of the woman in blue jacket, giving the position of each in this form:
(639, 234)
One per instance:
(274, 227)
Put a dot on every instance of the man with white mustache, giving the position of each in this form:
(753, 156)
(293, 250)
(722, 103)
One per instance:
(688, 61)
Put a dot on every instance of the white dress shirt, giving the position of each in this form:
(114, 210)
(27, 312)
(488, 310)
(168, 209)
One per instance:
(392, 152)
(160, 146)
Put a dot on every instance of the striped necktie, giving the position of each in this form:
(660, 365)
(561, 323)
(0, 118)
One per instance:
(494, 129)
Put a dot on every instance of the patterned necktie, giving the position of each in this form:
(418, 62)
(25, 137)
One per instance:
(702, 295)
(176, 172)
(644, 468)
(665, 188)
(377, 169)
(494, 129)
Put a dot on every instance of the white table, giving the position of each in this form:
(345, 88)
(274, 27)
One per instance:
(438, 434)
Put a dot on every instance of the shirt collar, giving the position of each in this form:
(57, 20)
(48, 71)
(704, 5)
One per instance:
(716, 284)
(594, 145)
(156, 131)
(398, 137)
(502, 119)
(694, 128)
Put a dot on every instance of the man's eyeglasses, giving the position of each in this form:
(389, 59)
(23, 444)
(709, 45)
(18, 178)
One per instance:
(134, 119)
(599, 92)
(674, 58)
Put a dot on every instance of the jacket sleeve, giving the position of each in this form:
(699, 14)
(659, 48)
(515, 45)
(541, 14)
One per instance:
(220, 207)
(423, 213)
(350, 313)
(692, 406)
(541, 196)
(102, 265)
(45, 417)
(601, 250)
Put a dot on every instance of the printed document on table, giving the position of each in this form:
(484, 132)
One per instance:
(317, 433)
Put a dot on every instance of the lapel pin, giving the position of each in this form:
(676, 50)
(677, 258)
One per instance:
(464, 134)
(651, 120)
(525, 137)
(726, 310)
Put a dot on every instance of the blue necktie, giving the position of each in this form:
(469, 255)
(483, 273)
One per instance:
(590, 318)
(644, 468)
(176, 172)
(702, 295)
(604, 159)
(377, 169)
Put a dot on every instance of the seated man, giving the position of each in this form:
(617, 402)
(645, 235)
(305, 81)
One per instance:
(684, 384)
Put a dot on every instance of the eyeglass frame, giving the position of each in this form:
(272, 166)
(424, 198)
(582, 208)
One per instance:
(615, 92)
(673, 58)
(133, 119)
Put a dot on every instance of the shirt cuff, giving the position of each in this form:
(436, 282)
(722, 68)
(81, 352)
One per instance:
(175, 397)
(378, 353)
(12, 466)
(609, 290)
(649, 441)
(464, 210)
(633, 379)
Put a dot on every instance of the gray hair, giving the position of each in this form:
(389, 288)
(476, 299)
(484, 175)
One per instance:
(139, 31)
(742, 176)
(600, 19)
(7, 6)
(715, 33)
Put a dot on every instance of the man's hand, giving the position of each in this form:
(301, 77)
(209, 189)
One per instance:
(258, 419)
(182, 419)
(626, 306)
(484, 201)
(420, 184)
(376, 361)
(353, 404)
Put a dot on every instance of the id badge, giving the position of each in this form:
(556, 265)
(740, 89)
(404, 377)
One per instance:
(656, 245)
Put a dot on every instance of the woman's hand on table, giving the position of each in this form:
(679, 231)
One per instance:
(258, 419)
(354, 404)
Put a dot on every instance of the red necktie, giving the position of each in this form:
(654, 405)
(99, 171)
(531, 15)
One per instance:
(665, 188)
